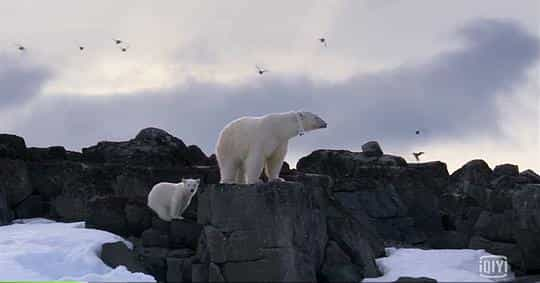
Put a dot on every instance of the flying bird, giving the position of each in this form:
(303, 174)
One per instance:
(323, 41)
(261, 70)
(118, 41)
(417, 155)
(81, 48)
(417, 132)
(124, 48)
(20, 47)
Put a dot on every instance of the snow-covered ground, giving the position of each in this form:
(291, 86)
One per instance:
(43, 250)
(442, 265)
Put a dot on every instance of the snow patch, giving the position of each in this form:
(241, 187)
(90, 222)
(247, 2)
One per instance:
(42, 250)
(441, 265)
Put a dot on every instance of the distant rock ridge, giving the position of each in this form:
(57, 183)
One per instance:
(335, 214)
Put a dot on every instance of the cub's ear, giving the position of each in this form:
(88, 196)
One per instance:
(198, 181)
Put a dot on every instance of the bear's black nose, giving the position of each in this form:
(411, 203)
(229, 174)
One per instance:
(192, 190)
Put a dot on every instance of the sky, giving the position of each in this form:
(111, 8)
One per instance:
(465, 73)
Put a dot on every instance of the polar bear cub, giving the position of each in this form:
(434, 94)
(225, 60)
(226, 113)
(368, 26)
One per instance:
(247, 145)
(169, 200)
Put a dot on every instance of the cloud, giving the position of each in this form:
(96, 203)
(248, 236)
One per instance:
(451, 95)
(19, 81)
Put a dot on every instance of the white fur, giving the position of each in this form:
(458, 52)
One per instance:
(248, 144)
(169, 200)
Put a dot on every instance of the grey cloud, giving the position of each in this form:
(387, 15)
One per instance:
(453, 95)
(19, 81)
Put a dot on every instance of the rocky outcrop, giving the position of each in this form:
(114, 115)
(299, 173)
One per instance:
(496, 211)
(12, 147)
(151, 147)
(399, 199)
(272, 231)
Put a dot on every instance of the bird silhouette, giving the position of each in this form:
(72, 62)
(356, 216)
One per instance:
(81, 48)
(417, 132)
(323, 41)
(118, 41)
(261, 70)
(20, 47)
(124, 48)
(417, 155)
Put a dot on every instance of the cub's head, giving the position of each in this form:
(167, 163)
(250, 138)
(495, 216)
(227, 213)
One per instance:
(191, 185)
(310, 121)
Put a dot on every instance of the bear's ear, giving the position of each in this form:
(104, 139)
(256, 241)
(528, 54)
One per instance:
(183, 180)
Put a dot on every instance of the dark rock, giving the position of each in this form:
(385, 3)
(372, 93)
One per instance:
(405, 279)
(31, 207)
(359, 240)
(214, 273)
(449, 240)
(496, 226)
(181, 253)
(278, 265)
(419, 187)
(74, 156)
(531, 176)
(151, 147)
(117, 253)
(372, 149)
(155, 262)
(47, 154)
(179, 269)
(510, 250)
(161, 225)
(212, 160)
(50, 179)
(70, 185)
(506, 170)
(154, 238)
(14, 181)
(284, 242)
(337, 266)
(344, 163)
(196, 156)
(108, 213)
(285, 169)
(474, 172)
(199, 272)
(138, 217)
(343, 273)
(6, 214)
(12, 146)
(526, 203)
(382, 202)
(184, 234)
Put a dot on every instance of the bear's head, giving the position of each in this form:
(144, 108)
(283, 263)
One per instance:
(191, 185)
(309, 121)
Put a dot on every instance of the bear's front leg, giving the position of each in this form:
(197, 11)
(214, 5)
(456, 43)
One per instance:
(253, 167)
(275, 162)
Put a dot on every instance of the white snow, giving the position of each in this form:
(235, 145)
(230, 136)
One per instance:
(43, 250)
(442, 265)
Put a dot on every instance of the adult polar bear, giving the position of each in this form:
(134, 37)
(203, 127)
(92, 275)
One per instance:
(248, 144)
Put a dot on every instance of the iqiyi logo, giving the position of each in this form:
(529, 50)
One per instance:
(493, 266)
